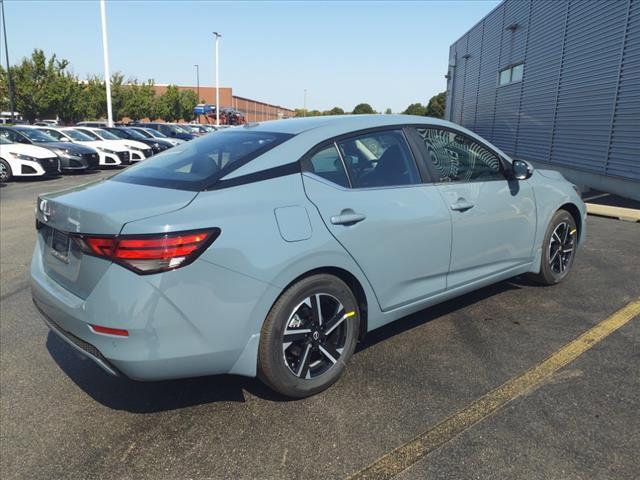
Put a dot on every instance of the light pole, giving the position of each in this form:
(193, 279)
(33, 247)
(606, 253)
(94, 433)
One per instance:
(198, 81)
(105, 48)
(12, 102)
(217, 35)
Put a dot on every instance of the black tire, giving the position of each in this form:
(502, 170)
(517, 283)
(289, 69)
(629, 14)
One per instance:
(557, 259)
(284, 366)
(5, 171)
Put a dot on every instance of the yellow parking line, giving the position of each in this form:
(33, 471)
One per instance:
(403, 457)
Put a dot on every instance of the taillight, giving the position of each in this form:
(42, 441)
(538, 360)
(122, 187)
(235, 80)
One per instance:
(149, 253)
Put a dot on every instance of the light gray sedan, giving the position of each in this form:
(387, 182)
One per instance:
(271, 249)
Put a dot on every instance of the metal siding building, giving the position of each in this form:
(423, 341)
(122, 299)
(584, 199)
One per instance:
(576, 107)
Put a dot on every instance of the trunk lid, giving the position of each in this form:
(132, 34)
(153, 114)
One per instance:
(101, 208)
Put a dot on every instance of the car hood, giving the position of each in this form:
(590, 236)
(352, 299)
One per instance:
(108, 144)
(72, 148)
(30, 150)
(127, 144)
(133, 143)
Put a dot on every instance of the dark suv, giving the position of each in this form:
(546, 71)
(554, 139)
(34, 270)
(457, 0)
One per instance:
(157, 144)
(167, 129)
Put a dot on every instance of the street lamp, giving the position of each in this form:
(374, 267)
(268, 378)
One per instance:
(12, 101)
(105, 48)
(198, 81)
(217, 35)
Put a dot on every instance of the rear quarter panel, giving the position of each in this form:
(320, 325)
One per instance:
(252, 243)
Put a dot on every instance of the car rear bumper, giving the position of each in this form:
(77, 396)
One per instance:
(178, 327)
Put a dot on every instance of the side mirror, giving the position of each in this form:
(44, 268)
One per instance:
(521, 170)
(64, 139)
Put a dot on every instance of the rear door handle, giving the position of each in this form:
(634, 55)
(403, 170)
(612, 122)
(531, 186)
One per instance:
(461, 205)
(350, 218)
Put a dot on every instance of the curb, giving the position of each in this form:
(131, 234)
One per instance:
(627, 214)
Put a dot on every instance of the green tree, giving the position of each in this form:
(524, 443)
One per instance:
(388, 111)
(67, 98)
(334, 111)
(435, 107)
(118, 93)
(188, 101)
(416, 109)
(4, 90)
(139, 100)
(363, 108)
(169, 107)
(35, 80)
(94, 96)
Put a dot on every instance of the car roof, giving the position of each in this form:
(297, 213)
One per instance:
(347, 123)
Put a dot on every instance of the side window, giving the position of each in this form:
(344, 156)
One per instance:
(328, 165)
(55, 134)
(11, 136)
(458, 158)
(379, 159)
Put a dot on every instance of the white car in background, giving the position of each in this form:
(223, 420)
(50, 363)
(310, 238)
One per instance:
(138, 150)
(23, 160)
(151, 133)
(110, 155)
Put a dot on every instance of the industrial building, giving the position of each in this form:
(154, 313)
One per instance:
(556, 83)
(253, 110)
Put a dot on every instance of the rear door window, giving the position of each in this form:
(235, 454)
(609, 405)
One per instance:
(379, 159)
(198, 164)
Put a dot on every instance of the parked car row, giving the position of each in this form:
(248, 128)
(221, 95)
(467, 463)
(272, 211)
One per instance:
(40, 150)
(176, 131)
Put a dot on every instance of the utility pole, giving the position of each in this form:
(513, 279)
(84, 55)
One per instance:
(305, 102)
(105, 48)
(198, 81)
(217, 35)
(12, 100)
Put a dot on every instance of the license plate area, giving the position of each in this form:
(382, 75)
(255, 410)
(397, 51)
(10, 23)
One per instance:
(59, 247)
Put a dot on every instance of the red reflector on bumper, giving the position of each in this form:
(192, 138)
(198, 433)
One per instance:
(109, 331)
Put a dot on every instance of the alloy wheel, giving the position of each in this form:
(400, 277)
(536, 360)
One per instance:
(315, 335)
(561, 248)
(4, 174)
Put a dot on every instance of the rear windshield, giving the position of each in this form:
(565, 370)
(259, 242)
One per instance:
(198, 164)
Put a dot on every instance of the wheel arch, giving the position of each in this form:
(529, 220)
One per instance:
(575, 213)
(352, 282)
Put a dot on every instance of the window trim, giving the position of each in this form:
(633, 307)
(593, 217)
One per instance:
(504, 163)
(510, 67)
(306, 158)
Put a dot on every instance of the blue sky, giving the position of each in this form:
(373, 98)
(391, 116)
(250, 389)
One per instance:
(389, 54)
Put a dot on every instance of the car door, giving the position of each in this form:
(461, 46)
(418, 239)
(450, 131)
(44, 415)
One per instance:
(493, 218)
(371, 197)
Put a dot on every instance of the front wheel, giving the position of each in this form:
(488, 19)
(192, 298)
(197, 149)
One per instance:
(558, 249)
(308, 336)
(5, 171)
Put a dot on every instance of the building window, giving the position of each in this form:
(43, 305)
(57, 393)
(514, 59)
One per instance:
(511, 75)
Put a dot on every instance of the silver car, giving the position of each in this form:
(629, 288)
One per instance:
(272, 248)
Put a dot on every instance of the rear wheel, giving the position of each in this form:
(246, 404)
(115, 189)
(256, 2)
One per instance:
(5, 171)
(308, 336)
(558, 249)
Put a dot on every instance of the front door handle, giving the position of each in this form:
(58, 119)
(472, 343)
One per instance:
(462, 205)
(347, 217)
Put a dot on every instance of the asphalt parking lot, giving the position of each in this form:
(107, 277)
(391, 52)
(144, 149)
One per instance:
(62, 417)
